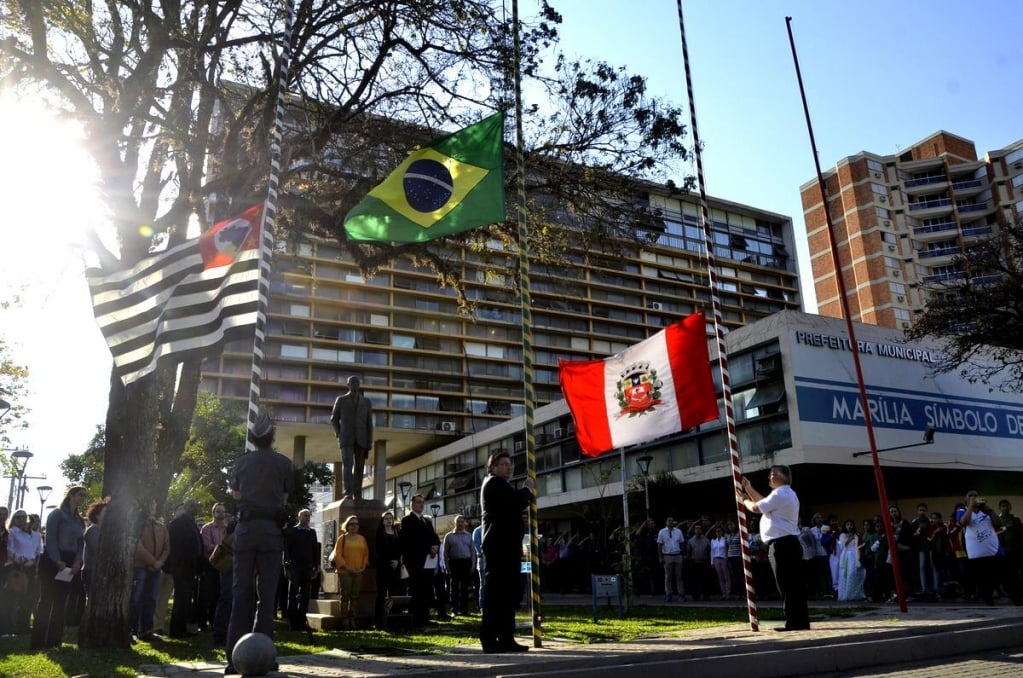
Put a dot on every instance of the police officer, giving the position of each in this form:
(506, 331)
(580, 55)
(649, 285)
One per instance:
(260, 483)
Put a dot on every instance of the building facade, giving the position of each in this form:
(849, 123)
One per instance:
(901, 220)
(437, 372)
(796, 403)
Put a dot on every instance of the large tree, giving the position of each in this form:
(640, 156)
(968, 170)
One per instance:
(176, 99)
(977, 312)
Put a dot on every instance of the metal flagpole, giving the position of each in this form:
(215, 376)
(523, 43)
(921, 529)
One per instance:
(726, 383)
(627, 533)
(853, 344)
(527, 330)
(268, 224)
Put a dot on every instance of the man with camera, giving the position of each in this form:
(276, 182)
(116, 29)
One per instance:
(981, 537)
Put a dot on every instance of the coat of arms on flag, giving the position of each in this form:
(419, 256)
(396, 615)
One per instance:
(639, 390)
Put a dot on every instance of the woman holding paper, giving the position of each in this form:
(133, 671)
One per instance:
(60, 563)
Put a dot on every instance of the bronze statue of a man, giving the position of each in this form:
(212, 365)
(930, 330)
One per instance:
(352, 420)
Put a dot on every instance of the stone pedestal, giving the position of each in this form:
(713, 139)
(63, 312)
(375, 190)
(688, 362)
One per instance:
(368, 511)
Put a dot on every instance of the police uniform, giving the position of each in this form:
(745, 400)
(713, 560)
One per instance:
(261, 481)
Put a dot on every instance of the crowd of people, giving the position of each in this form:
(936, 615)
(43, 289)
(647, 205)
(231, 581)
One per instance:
(975, 552)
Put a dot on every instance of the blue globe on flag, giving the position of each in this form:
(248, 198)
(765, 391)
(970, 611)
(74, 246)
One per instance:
(428, 185)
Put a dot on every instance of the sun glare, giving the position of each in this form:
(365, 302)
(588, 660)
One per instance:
(47, 190)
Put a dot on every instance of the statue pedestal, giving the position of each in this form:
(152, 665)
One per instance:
(368, 512)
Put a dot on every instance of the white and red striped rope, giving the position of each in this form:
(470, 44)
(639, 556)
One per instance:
(726, 384)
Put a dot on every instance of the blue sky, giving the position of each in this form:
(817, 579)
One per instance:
(880, 75)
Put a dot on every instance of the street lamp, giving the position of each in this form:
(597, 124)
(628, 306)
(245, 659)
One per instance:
(44, 494)
(435, 511)
(644, 468)
(928, 440)
(405, 487)
(19, 458)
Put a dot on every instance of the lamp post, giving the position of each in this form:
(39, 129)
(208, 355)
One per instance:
(405, 487)
(19, 459)
(435, 511)
(44, 494)
(644, 468)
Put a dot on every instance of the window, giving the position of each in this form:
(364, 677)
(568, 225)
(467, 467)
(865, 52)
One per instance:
(892, 262)
(294, 351)
(879, 189)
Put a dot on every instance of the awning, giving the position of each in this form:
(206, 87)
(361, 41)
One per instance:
(770, 394)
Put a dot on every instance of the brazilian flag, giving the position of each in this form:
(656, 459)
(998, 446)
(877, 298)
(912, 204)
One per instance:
(454, 184)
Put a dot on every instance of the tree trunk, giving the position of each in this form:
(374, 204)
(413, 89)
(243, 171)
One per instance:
(128, 471)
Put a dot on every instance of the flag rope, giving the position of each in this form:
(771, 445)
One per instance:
(268, 224)
(726, 384)
(527, 333)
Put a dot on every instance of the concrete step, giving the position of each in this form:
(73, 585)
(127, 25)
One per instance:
(325, 606)
(323, 622)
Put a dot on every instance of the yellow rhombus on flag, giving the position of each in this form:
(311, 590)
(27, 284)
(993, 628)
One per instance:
(452, 185)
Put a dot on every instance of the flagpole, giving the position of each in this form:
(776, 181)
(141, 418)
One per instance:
(527, 330)
(268, 224)
(726, 382)
(627, 532)
(853, 345)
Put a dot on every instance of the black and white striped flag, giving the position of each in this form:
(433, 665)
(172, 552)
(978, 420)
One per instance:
(188, 299)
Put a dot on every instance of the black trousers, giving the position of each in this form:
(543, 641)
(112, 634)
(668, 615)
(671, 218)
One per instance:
(184, 594)
(48, 624)
(501, 592)
(300, 586)
(786, 557)
(460, 573)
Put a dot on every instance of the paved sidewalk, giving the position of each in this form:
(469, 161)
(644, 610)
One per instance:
(880, 636)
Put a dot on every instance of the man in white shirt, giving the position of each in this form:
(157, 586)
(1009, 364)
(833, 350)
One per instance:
(779, 528)
(669, 548)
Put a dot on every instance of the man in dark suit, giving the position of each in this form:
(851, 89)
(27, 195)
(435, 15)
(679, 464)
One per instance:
(352, 421)
(302, 565)
(418, 541)
(184, 564)
(502, 506)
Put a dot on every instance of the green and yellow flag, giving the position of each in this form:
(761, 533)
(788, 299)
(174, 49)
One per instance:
(454, 184)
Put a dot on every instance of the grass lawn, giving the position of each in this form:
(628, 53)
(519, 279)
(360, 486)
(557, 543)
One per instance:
(572, 623)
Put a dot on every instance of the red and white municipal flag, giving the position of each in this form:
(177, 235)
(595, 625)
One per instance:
(660, 386)
(190, 298)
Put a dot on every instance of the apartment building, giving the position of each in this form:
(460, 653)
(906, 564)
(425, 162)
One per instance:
(901, 220)
(437, 372)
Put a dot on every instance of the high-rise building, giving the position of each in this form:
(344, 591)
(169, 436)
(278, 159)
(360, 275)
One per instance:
(436, 371)
(901, 220)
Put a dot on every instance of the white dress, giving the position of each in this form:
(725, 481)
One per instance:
(850, 574)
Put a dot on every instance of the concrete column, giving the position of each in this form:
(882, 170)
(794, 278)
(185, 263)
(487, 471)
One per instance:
(379, 470)
(298, 452)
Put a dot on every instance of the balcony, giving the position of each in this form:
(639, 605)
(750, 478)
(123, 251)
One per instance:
(975, 208)
(923, 184)
(986, 279)
(974, 232)
(938, 255)
(968, 187)
(946, 277)
(934, 231)
(925, 209)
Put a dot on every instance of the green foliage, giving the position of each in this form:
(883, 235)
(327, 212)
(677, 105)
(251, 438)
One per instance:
(13, 390)
(978, 316)
(87, 468)
(216, 440)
